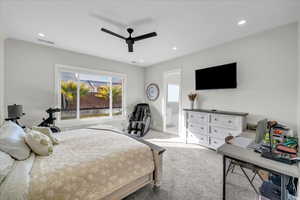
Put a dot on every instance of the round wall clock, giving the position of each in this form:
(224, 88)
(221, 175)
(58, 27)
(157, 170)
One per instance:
(152, 91)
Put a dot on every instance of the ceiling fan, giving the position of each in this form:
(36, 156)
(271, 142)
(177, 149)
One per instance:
(130, 40)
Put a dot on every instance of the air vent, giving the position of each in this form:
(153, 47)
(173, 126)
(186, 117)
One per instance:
(133, 62)
(46, 41)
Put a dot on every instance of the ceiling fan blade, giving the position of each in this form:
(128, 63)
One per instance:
(109, 20)
(145, 36)
(112, 33)
(130, 47)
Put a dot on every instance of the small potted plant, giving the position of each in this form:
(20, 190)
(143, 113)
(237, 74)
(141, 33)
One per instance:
(192, 97)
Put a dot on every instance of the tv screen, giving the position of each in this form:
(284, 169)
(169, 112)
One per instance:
(218, 77)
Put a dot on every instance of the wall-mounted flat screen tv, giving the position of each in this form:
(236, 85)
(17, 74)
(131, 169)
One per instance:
(218, 77)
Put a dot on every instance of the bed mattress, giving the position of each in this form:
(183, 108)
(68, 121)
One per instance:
(88, 164)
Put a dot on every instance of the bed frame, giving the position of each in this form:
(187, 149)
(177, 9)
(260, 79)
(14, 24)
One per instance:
(151, 178)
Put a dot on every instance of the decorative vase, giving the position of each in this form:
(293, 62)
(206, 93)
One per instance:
(192, 104)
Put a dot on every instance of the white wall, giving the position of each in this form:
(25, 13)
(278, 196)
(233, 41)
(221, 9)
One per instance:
(29, 72)
(299, 80)
(2, 37)
(299, 97)
(267, 76)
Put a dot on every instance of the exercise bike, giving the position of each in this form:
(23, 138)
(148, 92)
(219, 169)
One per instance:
(50, 121)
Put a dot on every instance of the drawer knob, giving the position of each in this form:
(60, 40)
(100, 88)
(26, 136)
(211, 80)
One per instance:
(229, 121)
(216, 119)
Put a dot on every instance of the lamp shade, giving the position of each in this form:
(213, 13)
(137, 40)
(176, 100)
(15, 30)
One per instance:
(15, 111)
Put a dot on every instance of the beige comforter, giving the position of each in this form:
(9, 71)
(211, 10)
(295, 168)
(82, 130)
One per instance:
(89, 164)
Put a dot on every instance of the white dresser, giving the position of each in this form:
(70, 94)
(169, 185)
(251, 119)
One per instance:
(209, 128)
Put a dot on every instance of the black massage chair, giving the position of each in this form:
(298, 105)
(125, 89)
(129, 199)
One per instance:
(140, 120)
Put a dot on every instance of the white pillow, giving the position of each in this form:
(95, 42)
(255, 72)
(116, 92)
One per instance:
(12, 141)
(47, 131)
(39, 143)
(6, 164)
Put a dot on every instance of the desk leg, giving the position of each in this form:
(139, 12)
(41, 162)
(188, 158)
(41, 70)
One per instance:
(284, 179)
(224, 177)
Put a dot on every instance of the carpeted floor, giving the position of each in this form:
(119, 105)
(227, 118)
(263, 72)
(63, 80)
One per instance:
(191, 172)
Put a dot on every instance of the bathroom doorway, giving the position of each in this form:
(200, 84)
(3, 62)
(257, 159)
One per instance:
(172, 101)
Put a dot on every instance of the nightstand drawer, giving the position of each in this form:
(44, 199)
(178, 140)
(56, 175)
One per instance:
(198, 128)
(226, 121)
(222, 133)
(198, 117)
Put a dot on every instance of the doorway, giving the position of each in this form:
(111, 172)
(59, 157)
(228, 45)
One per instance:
(172, 101)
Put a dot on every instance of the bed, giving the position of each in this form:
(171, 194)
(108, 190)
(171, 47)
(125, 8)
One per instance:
(89, 164)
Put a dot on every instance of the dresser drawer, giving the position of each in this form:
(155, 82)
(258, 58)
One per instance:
(215, 143)
(198, 117)
(222, 133)
(198, 128)
(226, 121)
(197, 139)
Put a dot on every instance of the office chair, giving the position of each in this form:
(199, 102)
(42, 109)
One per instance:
(260, 132)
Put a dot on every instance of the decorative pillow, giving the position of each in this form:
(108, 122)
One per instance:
(39, 143)
(12, 141)
(6, 164)
(46, 131)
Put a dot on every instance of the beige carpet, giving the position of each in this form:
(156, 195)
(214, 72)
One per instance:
(191, 172)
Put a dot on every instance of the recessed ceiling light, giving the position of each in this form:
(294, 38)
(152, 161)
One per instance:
(41, 34)
(242, 22)
(174, 48)
(142, 61)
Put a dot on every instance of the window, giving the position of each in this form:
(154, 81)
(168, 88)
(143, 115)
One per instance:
(90, 94)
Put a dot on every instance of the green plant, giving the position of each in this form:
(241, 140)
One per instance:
(104, 92)
(69, 90)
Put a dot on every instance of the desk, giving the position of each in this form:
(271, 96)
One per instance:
(240, 154)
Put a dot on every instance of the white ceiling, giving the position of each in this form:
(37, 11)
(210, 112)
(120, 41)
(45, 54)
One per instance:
(190, 25)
